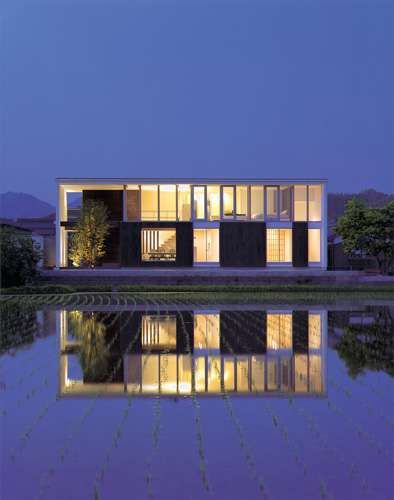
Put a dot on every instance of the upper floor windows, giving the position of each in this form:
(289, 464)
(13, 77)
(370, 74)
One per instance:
(211, 202)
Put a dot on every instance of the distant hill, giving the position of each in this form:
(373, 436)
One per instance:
(337, 201)
(23, 205)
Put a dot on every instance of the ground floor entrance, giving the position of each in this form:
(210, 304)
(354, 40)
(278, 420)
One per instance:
(206, 246)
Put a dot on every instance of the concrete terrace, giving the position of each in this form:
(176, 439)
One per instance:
(210, 275)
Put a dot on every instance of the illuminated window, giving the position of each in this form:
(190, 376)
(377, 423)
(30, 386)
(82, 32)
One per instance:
(214, 373)
(257, 373)
(183, 202)
(272, 201)
(314, 331)
(272, 374)
(167, 202)
(184, 373)
(168, 373)
(313, 245)
(229, 374)
(228, 202)
(158, 245)
(199, 202)
(206, 331)
(213, 202)
(279, 245)
(300, 203)
(315, 373)
(300, 373)
(314, 195)
(257, 202)
(242, 374)
(150, 372)
(158, 332)
(199, 373)
(285, 202)
(279, 331)
(241, 202)
(149, 202)
(206, 245)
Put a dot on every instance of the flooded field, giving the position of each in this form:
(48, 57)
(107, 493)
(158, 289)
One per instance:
(182, 399)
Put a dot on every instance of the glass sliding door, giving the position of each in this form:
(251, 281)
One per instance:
(241, 202)
(199, 202)
(300, 203)
(314, 197)
(184, 202)
(285, 202)
(257, 202)
(206, 245)
(149, 202)
(271, 194)
(167, 202)
(313, 245)
(213, 202)
(228, 202)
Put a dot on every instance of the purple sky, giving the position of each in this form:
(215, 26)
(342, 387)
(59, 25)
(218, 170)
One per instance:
(197, 88)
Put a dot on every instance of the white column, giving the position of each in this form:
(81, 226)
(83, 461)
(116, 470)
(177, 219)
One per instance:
(324, 226)
(60, 216)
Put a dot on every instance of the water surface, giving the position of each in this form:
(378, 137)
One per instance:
(180, 400)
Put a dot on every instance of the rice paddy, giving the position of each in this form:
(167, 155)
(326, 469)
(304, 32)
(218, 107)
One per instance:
(195, 395)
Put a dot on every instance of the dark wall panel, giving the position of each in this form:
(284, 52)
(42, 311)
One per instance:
(300, 244)
(112, 199)
(130, 243)
(243, 332)
(300, 332)
(112, 242)
(242, 244)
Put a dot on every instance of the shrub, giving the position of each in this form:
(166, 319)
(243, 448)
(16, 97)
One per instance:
(19, 256)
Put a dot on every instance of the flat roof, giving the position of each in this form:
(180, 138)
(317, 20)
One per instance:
(184, 180)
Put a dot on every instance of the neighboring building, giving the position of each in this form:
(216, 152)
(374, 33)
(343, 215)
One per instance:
(186, 222)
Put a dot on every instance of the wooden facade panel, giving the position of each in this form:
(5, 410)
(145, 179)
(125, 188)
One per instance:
(300, 244)
(112, 199)
(133, 204)
(239, 334)
(243, 244)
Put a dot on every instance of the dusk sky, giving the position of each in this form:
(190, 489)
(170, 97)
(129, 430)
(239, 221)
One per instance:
(197, 88)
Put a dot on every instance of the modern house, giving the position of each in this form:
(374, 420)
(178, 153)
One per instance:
(197, 222)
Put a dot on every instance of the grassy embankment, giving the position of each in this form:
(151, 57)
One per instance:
(204, 293)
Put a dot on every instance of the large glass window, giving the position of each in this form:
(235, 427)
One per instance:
(300, 203)
(241, 202)
(167, 202)
(279, 245)
(213, 202)
(272, 201)
(285, 202)
(199, 202)
(206, 245)
(279, 331)
(228, 202)
(158, 245)
(313, 245)
(158, 332)
(257, 202)
(315, 202)
(206, 331)
(149, 202)
(183, 202)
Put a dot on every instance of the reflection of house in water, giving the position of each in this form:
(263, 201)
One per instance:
(206, 352)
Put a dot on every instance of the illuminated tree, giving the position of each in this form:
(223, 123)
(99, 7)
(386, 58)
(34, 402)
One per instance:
(92, 227)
